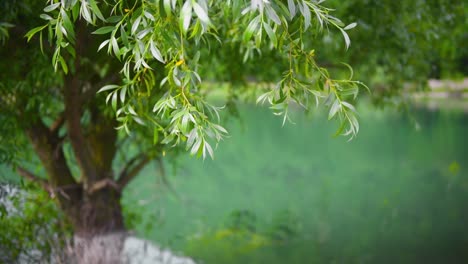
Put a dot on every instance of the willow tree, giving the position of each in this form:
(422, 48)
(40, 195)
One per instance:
(84, 80)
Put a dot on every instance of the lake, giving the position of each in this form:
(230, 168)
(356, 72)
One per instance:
(398, 193)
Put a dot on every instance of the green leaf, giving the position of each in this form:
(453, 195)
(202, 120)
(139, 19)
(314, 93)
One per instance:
(341, 128)
(271, 34)
(6, 25)
(103, 44)
(114, 100)
(123, 93)
(115, 47)
(51, 7)
(108, 87)
(114, 19)
(349, 106)
(201, 14)
(123, 36)
(46, 17)
(196, 146)
(354, 123)
(139, 120)
(251, 28)
(68, 25)
(292, 8)
(305, 10)
(220, 128)
(185, 16)
(149, 16)
(334, 109)
(85, 12)
(131, 110)
(350, 26)
(208, 148)
(272, 14)
(167, 7)
(63, 64)
(103, 30)
(143, 33)
(135, 25)
(33, 31)
(346, 38)
(156, 53)
(96, 10)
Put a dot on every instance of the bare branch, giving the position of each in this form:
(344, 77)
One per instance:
(129, 164)
(102, 184)
(128, 174)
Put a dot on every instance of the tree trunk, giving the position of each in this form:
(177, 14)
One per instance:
(93, 209)
(99, 230)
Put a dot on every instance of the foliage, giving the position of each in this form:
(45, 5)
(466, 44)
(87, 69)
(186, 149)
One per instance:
(164, 48)
(401, 42)
(33, 225)
(241, 238)
(163, 44)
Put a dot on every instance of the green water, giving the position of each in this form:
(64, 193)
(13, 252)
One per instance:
(395, 194)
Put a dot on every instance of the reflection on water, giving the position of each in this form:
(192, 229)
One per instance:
(393, 195)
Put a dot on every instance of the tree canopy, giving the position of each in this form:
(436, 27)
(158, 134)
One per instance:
(163, 50)
(171, 54)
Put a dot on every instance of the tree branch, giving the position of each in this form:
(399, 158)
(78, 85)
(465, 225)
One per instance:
(102, 184)
(129, 164)
(45, 184)
(128, 174)
(165, 181)
(73, 104)
(34, 178)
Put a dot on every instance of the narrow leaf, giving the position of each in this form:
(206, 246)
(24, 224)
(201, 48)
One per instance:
(350, 26)
(201, 14)
(51, 7)
(104, 30)
(107, 88)
(292, 8)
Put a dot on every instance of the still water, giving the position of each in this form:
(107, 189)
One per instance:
(398, 193)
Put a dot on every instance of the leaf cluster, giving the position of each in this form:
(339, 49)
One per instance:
(160, 46)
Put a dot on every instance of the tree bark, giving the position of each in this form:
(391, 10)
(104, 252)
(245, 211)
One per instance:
(99, 232)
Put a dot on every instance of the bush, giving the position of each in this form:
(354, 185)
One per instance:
(33, 229)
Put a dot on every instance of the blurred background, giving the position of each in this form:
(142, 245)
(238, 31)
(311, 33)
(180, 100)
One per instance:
(396, 194)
